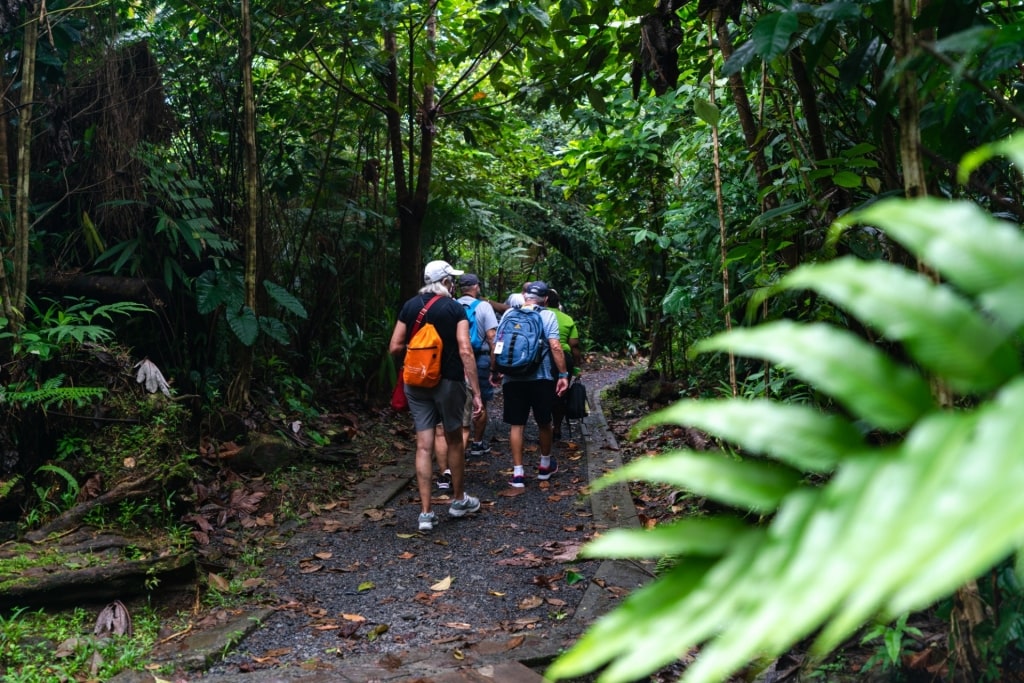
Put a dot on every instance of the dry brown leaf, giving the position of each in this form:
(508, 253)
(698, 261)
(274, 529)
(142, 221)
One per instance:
(358, 618)
(530, 602)
(309, 567)
(442, 585)
(406, 555)
(516, 642)
(323, 556)
(332, 525)
(373, 514)
(460, 625)
(219, 582)
(512, 492)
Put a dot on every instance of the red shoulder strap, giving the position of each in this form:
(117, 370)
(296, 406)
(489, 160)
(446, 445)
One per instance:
(422, 314)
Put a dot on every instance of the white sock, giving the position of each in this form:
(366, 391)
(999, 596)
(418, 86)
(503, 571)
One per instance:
(545, 461)
(517, 471)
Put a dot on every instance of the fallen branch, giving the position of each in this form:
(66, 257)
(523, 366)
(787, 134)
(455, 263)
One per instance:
(130, 488)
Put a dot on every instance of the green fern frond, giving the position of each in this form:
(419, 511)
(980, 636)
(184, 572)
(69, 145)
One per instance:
(895, 528)
(51, 393)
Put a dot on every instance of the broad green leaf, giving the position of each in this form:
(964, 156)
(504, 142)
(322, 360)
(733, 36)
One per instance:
(244, 324)
(847, 179)
(856, 374)
(799, 436)
(981, 255)
(707, 111)
(285, 298)
(708, 536)
(274, 329)
(772, 33)
(750, 485)
(939, 328)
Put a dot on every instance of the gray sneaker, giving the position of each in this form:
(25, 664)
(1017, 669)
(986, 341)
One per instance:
(478, 448)
(461, 507)
(427, 521)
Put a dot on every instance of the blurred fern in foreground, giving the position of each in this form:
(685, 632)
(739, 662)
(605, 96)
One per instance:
(895, 528)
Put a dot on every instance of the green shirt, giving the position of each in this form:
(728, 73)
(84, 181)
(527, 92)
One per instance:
(566, 329)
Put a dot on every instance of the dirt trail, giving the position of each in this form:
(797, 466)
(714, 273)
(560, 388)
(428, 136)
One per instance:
(361, 581)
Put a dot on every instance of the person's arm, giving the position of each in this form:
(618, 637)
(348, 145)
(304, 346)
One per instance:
(562, 382)
(498, 307)
(397, 346)
(469, 363)
(577, 354)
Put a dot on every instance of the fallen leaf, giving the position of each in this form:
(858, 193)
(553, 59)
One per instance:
(406, 535)
(218, 582)
(497, 593)
(353, 617)
(279, 652)
(332, 525)
(516, 642)
(323, 556)
(460, 625)
(530, 602)
(458, 653)
(442, 585)
(366, 586)
(406, 555)
(373, 514)
(309, 567)
(512, 492)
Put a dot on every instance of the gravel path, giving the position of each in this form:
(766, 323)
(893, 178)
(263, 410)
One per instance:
(366, 582)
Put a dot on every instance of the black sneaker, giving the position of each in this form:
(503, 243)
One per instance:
(444, 480)
(478, 449)
(544, 473)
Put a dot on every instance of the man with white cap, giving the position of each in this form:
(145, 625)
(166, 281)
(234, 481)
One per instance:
(445, 402)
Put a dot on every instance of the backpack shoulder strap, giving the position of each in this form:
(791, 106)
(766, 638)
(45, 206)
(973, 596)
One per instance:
(421, 315)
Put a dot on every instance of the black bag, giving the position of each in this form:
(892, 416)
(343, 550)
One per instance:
(576, 407)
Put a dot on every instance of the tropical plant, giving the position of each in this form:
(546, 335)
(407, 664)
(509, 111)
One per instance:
(918, 498)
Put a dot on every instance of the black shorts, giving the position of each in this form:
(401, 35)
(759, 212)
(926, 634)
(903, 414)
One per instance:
(522, 397)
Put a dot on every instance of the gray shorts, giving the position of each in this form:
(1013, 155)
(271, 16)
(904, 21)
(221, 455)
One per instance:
(443, 404)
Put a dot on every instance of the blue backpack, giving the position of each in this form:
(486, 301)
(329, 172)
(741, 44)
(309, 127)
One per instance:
(475, 339)
(519, 342)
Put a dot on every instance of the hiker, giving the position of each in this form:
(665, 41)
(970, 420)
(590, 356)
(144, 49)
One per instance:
(533, 391)
(569, 337)
(482, 325)
(445, 402)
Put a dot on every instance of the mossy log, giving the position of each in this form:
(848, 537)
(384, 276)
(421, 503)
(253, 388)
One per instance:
(88, 567)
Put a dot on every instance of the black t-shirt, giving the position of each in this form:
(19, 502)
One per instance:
(444, 315)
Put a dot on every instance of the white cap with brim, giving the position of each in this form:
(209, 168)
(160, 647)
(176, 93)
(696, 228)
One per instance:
(439, 270)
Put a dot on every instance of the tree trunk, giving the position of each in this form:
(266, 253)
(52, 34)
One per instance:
(411, 192)
(6, 224)
(238, 394)
(22, 220)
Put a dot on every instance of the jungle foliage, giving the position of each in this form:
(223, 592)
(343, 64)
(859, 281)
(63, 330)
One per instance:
(673, 168)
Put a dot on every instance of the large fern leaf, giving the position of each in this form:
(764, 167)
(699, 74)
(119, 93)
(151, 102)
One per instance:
(895, 528)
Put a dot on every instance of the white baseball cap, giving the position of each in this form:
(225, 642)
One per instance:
(439, 270)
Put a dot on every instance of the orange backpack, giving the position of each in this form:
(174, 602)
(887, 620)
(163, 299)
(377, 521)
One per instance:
(423, 353)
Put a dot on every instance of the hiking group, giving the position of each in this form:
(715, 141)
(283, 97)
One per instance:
(454, 353)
